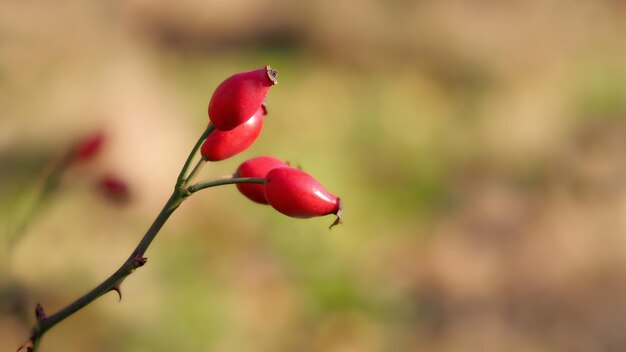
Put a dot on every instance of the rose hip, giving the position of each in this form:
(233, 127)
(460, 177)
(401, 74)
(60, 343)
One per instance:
(89, 147)
(297, 194)
(239, 97)
(256, 167)
(115, 188)
(221, 145)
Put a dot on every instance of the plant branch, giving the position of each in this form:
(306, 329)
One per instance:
(196, 170)
(181, 177)
(136, 258)
(134, 261)
(227, 181)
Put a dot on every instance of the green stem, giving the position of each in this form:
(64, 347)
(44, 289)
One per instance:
(227, 181)
(196, 170)
(181, 177)
(134, 261)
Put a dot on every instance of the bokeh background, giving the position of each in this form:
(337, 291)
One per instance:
(479, 147)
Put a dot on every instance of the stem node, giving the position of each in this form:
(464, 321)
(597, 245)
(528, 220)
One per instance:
(139, 261)
(40, 314)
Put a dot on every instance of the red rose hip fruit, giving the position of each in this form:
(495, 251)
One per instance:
(89, 147)
(256, 167)
(240, 96)
(221, 145)
(297, 194)
(115, 188)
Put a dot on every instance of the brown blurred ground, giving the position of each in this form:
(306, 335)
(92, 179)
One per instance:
(479, 147)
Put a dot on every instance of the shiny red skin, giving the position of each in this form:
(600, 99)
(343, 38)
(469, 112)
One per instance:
(257, 167)
(221, 145)
(295, 193)
(240, 96)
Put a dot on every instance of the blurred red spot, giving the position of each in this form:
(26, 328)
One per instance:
(115, 189)
(89, 147)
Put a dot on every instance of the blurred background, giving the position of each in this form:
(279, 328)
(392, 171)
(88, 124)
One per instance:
(479, 148)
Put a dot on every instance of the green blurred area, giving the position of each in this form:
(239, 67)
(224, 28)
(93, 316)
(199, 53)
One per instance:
(479, 149)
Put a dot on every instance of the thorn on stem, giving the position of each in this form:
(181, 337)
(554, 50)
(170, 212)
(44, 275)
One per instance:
(117, 288)
(39, 312)
(28, 345)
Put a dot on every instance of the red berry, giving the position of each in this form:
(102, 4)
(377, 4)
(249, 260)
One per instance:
(240, 96)
(115, 188)
(297, 194)
(256, 167)
(89, 147)
(224, 144)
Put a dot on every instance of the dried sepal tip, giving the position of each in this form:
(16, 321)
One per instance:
(339, 215)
